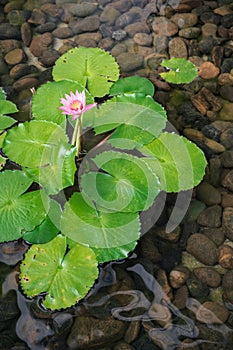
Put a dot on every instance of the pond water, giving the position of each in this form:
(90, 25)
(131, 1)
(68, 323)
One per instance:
(175, 291)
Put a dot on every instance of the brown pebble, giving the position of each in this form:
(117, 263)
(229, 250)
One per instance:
(225, 256)
(211, 312)
(227, 285)
(178, 276)
(216, 234)
(25, 83)
(132, 331)
(211, 216)
(208, 275)
(26, 34)
(203, 249)
(180, 297)
(208, 194)
(40, 43)
(9, 45)
(208, 70)
(227, 222)
(225, 79)
(163, 26)
(15, 56)
(62, 33)
(227, 200)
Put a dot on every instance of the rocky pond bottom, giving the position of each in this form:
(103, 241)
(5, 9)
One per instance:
(176, 290)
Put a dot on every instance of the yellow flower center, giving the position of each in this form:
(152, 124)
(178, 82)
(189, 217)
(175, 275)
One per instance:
(76, 105)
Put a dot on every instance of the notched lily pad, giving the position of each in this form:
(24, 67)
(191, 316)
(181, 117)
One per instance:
(65, 277)
(19, 211)
(180, 71)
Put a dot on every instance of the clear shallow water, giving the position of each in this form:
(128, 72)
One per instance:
(162, 324)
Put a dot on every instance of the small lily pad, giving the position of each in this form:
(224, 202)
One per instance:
(180, 71)
(65, 277)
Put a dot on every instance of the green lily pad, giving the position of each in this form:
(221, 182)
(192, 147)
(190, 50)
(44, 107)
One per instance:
(46, 100)
(133, 84)
(138, 119)
(59, 172)
(7, 107)
(93, 68)
(31, 144)
(85, 224)
(6, 122)
(180, 71)
(19, 211)
(179, 163)
(64, 277)
(49, 228)
(2, 137)
(115, 253)
(2, 162)
(126, 185)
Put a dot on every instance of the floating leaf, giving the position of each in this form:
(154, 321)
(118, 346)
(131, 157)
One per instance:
(126, 185)
(6, 122)
(180, 71)
(85, 224)
(7, 107)
(2, 161)
(31, 144)
(65, 277)
(131, 85)
(59, 172)
(179, 163)
(49, 228)
(130, 114)
(93, 68)
(46, 100)
(19, 211)
(2, 137)
(115, 253)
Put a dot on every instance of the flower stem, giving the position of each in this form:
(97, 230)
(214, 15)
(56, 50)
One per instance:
(76, 138)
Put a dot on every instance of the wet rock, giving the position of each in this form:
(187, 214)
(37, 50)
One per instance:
(37, 17)
(227, 65)
(84, 9)
(210, 132)
(214, 101)
(40, 43)
(200, 103)
(227, 21)
(62, 32)
(149, 249)
(20, 70)
(225, 256)
(160, 44)
(184, 20)
(227, 200)
(127, 18)
(189, 32)
(135, 28)
(121, 345)
(119, 35)
(121, 5)
(208, 194)
(203, 249)
(8, 31)
(208, 275)
(227, 138)
(129, 61)
(88, 24)
(177, 48)
(215, 234)
(118, 49)
(25, 83)
(227, 285)
(143, 39)
(227, 181)
(9, 45)
(89, 331)
(178, 276)
(208, 70)
(211, 216)
(227, 223)
(227, 159)
(210, 312)
(210, 17)
(209, 29)
(47, 27)
(52, 11)
(109, 15)
(225, 79)
(180, 297)
(226, 112)
(15, 56)
(217, 55)
(106, 44)
(165, 27)
(13, 5)
(162, 279)
(49, 57)
(26, 34)
(16, 17)
(160, 313)
(132, 332)
(62, 322)
(3, 67)
(227, 92)
(196, 288)
(8, 306)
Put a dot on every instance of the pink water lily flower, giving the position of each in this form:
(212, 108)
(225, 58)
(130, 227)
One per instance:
(75, 104)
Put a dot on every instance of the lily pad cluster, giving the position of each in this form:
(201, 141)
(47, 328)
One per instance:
(72, 227)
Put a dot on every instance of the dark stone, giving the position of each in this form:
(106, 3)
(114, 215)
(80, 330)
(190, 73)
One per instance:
(37, 17)
(26, 34)
(8, 31)
(227, 65)
(46, 27)
(211, 216)
(210, 17)
(227, 223)
(49, 57)
(197, 288)
(21, 70)
(227, 181)
(227, 20)
(206, 45)
(25, 83)
(88, 24)
(63, 33)
(126, 19)
(227, 138)
(227, 92)
(203, 249)
(40, 43)
(210, 132)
